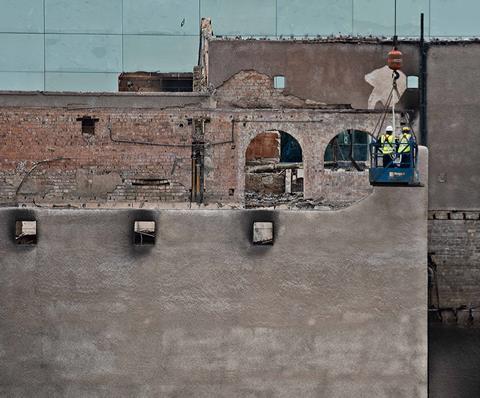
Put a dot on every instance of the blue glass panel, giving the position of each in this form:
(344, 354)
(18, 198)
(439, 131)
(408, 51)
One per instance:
(83, 16)
(161, 17)
(455, 18)
(408, 17)
(160, 53)
(373, 17)
(21, 52)
(320, 17)
(24, 16)
(21, 81)
(83, 53)
(82, 82)
(245, 17)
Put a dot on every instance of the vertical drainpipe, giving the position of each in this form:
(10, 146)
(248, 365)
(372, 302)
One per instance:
(198, 152)
(423, 84)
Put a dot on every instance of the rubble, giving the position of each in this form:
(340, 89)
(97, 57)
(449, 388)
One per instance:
(291, 201)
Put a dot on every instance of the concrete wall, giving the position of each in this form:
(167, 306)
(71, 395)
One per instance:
(453, 120)
(325, 311)
(332, 73)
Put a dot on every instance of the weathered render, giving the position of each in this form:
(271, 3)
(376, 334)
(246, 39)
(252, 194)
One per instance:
(335, 307)
(336, 72)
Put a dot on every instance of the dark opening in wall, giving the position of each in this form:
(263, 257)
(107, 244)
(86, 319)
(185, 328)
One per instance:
(144, 232)
(177, 85)
(155, 82)
(88, 124)
(26, 232)
(290, 149)
(262, 233)
(273, 170)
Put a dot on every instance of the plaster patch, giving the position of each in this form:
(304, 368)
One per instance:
(381, 80)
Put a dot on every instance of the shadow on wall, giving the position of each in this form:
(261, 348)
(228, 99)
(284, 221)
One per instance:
(273, 170)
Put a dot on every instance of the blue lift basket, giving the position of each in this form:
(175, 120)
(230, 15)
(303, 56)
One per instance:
(394, 172)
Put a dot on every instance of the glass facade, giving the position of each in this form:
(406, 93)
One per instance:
(82, 45)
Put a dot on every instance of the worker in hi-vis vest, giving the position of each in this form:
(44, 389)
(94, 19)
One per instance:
(387, 146)
(405, 147)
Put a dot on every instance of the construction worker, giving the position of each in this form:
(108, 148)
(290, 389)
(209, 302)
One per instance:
(387, 147)
(405, 147)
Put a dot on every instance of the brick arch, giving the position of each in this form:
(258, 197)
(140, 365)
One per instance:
(266, 147)
(312, 129)
(249, 134)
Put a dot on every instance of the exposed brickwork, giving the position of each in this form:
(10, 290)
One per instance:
(92, 167)
(250, 89)
(97, 168)
(455, 243)
(264, 146)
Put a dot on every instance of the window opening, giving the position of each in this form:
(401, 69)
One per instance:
(279, 82)
(348, 150)
(88, 124)
(412, 82)
(263, 233)
(273, 170)
(144, 232)
(26, 232)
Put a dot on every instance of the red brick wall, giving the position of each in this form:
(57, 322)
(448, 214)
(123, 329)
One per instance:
(264, 146)
(93, 167)
(96, 169)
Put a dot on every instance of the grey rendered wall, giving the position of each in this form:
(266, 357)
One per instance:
(453, 125)
(333, 73)
(335, 308)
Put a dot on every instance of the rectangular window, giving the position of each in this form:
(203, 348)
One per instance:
(279, 82)
(88, 124)
(412, 82)
(144, 232)
(26, 232)
(263, 233)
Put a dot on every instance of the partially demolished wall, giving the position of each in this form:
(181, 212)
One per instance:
(325, 310)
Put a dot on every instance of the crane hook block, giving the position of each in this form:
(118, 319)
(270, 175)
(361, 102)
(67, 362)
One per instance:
(395, 60)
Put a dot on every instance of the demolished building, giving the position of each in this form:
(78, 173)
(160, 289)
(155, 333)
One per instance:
(204, 309)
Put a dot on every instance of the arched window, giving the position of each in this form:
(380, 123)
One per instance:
(348, 150)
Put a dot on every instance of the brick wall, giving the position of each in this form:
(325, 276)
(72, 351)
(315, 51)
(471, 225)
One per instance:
(47, 158)
(264, 146)
(454, 238)
(250, 89)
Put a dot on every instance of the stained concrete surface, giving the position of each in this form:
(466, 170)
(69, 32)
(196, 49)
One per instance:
(332, 73)
(334, 308)
(453, 109)
(453, 361)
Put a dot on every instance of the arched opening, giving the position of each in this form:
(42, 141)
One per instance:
(348, 150)
(346, 163)
(273, 170)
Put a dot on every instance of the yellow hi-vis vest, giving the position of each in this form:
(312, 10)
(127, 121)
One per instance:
(388, 143)
(404, 143)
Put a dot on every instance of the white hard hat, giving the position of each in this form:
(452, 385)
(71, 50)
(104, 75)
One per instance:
(389, 128)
